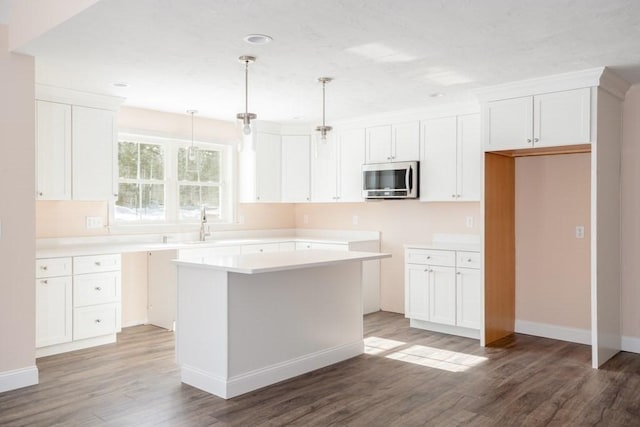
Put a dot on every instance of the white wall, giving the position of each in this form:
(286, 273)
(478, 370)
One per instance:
(17, 216)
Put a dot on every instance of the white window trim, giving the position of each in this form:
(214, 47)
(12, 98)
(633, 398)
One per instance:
(228, 184)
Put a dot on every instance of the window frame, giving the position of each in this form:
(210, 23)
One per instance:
(171, 145)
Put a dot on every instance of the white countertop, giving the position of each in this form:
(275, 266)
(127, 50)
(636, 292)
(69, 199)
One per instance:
(51, 248)
(279, 261)
(468, 247)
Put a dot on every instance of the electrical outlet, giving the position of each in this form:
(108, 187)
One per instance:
(579, 231)
(469, 222)
(94, 222)
(355, 220)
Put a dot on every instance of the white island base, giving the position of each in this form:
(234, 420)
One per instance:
(248, 321)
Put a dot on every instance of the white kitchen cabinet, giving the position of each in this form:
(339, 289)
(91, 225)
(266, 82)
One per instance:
(54, 301)
(545, 120)
(296, 168)
(96, 296)
(442, 295)
(442, 290)
(416, 291)
(78, 302)
(95, 157)
(468, 295)
(53, 151)
(260, 169)
(450, 166)
(393, 143)
(336, 167)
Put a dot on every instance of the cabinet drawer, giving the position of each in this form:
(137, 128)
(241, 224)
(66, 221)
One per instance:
(95, 320)
(431, 257)
(468, 259)
(98, 288)
(53, 267)
(96, 263)
(318, 245)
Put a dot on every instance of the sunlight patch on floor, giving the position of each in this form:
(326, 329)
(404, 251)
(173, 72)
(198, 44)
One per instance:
(377, 345)
(451, 361)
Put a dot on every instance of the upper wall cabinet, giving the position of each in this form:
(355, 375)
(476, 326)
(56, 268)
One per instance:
(75, 145)
(546, 120)
(95, 157)
(336, 167)
(260, 169)
(450, 166)
(53, 151)
(296, 168)
(393, 143)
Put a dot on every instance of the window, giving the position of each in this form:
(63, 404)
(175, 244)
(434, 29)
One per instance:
(168, 180)
(198, 182)
(141, 187)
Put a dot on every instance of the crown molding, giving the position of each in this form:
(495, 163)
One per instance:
(75, 97)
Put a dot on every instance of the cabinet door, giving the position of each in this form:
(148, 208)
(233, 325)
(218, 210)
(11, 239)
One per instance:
(378, 147)
(53, 151)
(406, 142)
(442, 295)
(469, 158)
(324, 170)
(268, 167)
(296, 168)
(438, 165)
(53, 311)
(162, 288)
(508, 124)
(351, 157)
(416, 292)
(468, 298)
(562, 118)
(94, 158)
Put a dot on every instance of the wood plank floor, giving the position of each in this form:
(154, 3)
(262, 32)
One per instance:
(408, 377)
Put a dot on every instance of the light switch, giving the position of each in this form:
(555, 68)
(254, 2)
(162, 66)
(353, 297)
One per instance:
(469, 222)
(355, 220)
(579, 231)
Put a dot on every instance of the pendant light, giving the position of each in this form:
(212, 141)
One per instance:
(246, 116)
(324, 128)
(192, 151)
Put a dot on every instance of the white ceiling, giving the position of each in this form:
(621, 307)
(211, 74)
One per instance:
(385, 55)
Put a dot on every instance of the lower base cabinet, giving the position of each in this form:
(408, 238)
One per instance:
(442, 290)
(78, 302)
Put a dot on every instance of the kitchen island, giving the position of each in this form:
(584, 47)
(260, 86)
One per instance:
(248, 321)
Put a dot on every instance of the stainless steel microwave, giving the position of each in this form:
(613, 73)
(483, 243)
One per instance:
(398, 180)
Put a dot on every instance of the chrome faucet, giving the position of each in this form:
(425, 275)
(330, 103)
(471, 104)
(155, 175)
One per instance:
(203, 224)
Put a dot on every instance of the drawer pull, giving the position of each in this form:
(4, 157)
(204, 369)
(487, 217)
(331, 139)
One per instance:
(44, 282)
(97, 263)
(458, 273)
(98, 320)
(469, 260)
(428, 256)
(98, 288)
(43, 267)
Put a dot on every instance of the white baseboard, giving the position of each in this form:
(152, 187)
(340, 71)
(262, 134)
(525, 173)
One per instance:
(445, 329)
(244, 383)
(135, 323)
(75, 345)
(18, 378)
(631, 344)
(562, 333)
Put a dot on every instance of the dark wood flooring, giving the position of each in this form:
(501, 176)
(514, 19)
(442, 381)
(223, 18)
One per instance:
(408, 377)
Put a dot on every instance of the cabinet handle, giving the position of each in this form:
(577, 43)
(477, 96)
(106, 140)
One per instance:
(428, 256)
(98, 288)
(98, 321)
(40, 193)
(453, 196)
(43, 267)
(458, 273)
(115, 194)
(528, 140)
(257, 197)
(261, 250)
(97, 263)
(469, 260)
(536, 139)
(44, 282)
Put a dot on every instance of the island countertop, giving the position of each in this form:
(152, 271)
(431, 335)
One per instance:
(278, 261)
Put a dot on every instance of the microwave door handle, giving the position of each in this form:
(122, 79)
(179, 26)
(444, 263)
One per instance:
(409, 179)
